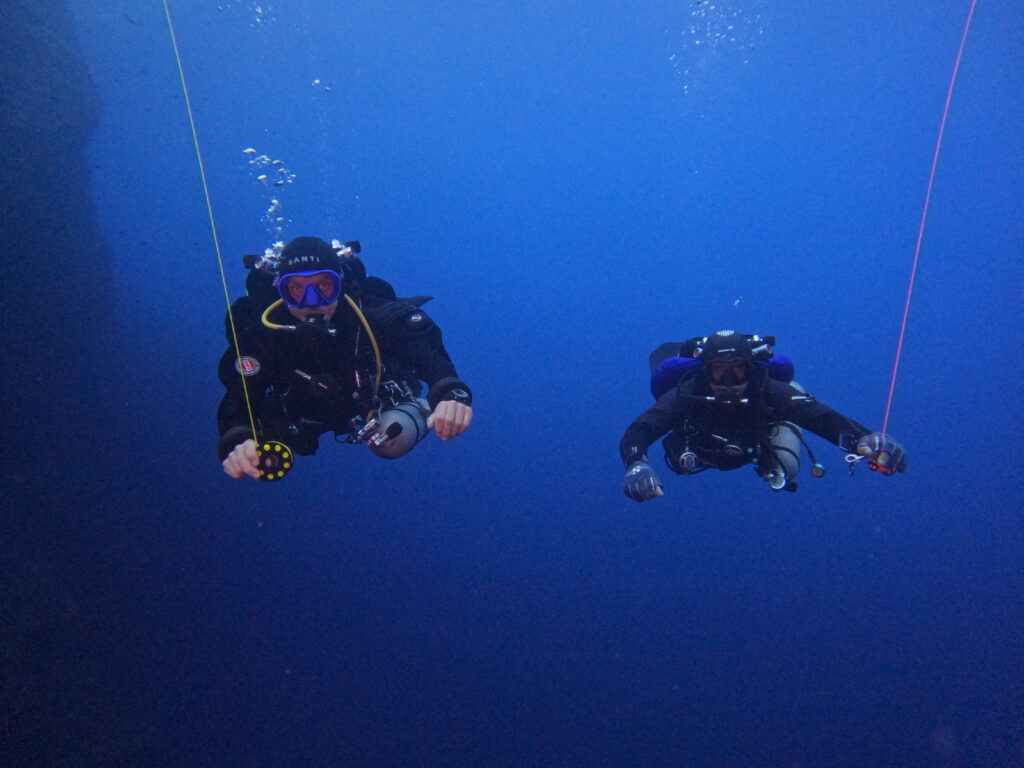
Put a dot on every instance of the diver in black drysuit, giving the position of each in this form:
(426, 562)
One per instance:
(305, 379)
(729, 422)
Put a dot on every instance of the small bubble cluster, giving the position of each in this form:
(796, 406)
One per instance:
(715, 25)
(273, 218)
(712, 23)
(271, 173)
(260, 14)
(272, 254)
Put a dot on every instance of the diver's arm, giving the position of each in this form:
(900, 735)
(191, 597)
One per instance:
(233, 422)
(883, 453)
(648, 427)
(790, 404)
(417, 342)
(431, 362)
(416, 338)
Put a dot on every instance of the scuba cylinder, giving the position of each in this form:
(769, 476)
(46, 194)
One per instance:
(400, 422)
(784, 439)
(402, 427)
(784, 442)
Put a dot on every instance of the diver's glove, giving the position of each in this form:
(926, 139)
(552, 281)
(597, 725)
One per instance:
(642, 483)
(883, 453)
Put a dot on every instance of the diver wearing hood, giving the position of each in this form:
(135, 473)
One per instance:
(323, 348)
(731, 405)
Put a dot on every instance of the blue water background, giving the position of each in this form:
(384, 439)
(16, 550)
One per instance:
(576, 182)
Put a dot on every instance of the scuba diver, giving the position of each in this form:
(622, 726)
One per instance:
(325, 348)
(727, 401)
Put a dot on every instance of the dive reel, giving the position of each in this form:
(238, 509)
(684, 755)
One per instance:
(275, 460)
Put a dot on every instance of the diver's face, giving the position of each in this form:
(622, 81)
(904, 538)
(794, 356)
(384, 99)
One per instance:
(728, 380)
(729, 374)
(296, 289)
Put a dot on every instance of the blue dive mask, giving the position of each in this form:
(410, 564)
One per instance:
(316, 288)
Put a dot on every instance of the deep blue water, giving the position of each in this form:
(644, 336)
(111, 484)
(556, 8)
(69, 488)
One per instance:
(575, 182)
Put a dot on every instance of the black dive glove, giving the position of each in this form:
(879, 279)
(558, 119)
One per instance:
(883, 453)
(642, 481)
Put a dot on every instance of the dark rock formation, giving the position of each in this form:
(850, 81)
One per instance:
(59, 701)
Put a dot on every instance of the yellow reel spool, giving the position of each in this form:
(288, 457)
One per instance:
(275, 460)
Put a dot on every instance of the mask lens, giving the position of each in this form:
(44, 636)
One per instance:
(728, 379)
(729, 374)
(310, 289)
(295, 288)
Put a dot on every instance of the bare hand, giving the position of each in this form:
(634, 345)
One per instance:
(449, 419)
(243, 461)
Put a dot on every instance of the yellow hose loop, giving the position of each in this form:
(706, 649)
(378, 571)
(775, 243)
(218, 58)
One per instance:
(265, 319)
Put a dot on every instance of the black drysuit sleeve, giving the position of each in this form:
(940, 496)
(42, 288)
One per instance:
(648, 427)
(415, 339)
(233, 421)
(789, 404)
